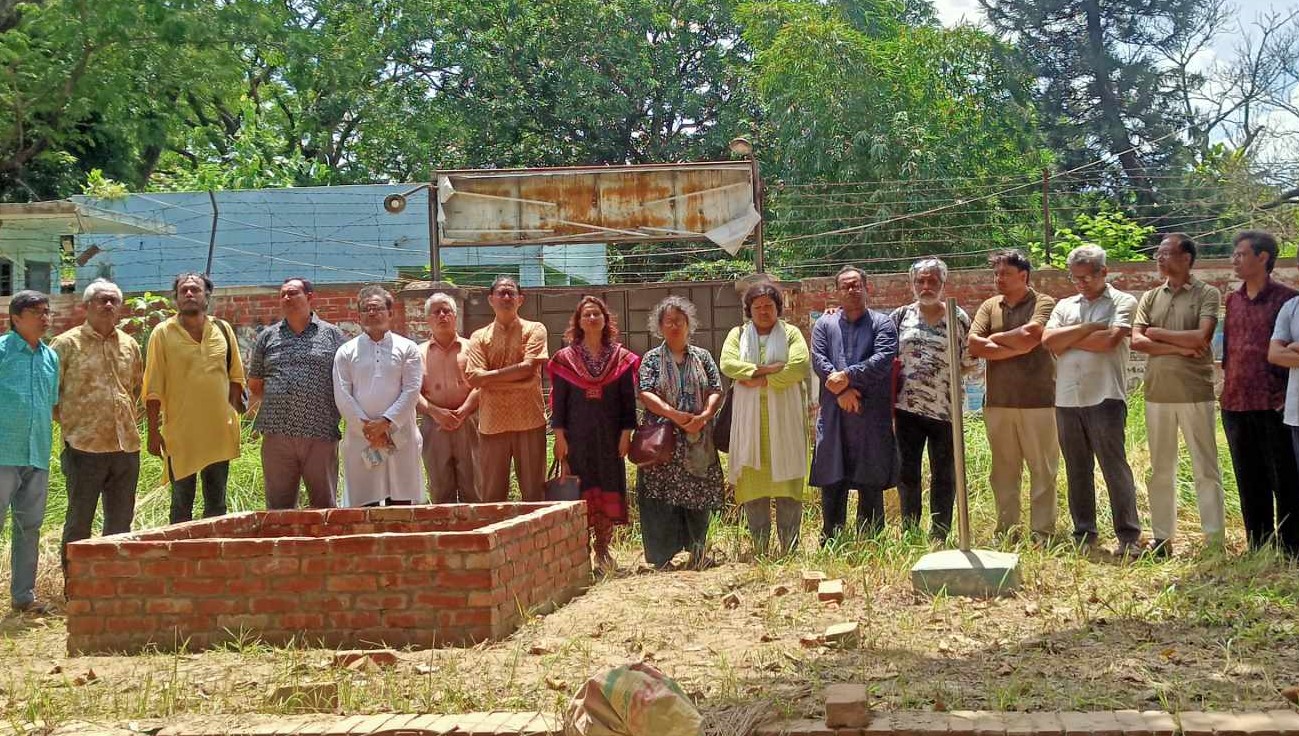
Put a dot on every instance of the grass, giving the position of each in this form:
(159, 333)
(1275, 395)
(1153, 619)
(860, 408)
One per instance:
(1209, 629)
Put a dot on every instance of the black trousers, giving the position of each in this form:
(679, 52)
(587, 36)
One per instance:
(914, 432)
(1266, 478)
(183, 491)
(1090, 435)
(90, 476)
(834, 510)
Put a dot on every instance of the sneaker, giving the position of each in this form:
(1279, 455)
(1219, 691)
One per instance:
(36, 608)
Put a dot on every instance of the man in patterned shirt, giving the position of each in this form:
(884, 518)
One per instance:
(1253, 398)
(505, 362)
(291, 379)
(101, 374)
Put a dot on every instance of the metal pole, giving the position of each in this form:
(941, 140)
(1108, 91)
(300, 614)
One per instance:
(434, 241)
(958, 425)
(759, 258)
(211, 239)
(1046, 215)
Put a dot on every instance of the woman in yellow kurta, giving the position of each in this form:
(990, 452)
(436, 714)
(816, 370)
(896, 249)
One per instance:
(768, 360)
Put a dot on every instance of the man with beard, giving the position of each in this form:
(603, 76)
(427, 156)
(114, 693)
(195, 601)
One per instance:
(193, 393)
(377, 379)
(923, 411)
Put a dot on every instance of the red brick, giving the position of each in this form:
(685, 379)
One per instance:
(169, 605)
(303, 620)
(245, 586)
(116, 606)
(217, 606)
(92, 550)
(390, 513)
(83, 588)
(115, 569)
(220, 568)
(344, 517)
(465, 617)
(468, 580)
(354, 545)
(465, 541)
(315, 565)
(273, 604)
(408, 544)
(273, 566)
(77, 607)
(381, 601)
(291, 517)
(383, 563)
(196, 549)
(300, 584)
(166, 568)
(433, 562)
(351, 583)
(354, 619)
(305, 548)
(144, 550)
(236, 549)
(79, 625)
(130, 624)
(198, 586)
(410, 619)
(142, 586)
(439, 599)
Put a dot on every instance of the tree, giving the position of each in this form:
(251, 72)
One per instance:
(861, 99)
(1103, 91)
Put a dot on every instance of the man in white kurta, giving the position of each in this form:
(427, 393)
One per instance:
(377, 379)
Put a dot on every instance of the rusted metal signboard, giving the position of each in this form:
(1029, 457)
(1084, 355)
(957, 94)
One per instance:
(608, 204)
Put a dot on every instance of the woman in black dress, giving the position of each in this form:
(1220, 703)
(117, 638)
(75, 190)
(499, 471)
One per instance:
(593, 414)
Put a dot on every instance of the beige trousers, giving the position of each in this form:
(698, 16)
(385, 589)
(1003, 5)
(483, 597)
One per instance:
(1196, 421)
(1019, 437)
(527, 450)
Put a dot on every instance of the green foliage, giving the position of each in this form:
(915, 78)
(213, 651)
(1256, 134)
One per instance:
(101, 187)
(1122, 238)
(722, 269)
(143, 313)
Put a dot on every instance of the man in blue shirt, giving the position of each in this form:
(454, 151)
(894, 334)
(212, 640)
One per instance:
(29, 388)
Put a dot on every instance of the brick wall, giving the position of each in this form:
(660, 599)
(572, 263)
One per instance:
(252, 308)
(418, 576)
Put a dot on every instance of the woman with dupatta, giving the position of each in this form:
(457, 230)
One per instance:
(593, 414)
(768, 360)
(679, 385)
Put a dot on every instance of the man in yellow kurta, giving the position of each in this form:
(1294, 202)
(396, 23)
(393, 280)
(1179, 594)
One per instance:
(193, 380)
(768, 360)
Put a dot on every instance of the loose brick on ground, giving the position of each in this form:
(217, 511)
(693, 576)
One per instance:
(1287, 721)
(830, 591)
(846, 706)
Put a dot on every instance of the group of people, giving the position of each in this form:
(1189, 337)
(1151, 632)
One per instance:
(468, 410)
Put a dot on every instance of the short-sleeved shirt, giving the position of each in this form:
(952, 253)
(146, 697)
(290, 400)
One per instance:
(99, 389)
(1177, 379)
(29, 388)
(1250, 383)
(1082, 377)
(298, 374)
(925, 380)
(516, 406)
(1287, 331)
(190, 379)
(1025, 381)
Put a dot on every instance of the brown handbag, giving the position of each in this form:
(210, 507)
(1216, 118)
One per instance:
(652, 444)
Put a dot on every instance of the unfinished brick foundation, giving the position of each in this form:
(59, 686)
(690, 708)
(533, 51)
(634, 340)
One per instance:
(418, 575)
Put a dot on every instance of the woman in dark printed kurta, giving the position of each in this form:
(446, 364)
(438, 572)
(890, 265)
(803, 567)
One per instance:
(593, 413)
(679, 383)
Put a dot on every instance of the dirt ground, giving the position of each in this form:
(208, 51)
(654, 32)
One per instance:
(1202, 631)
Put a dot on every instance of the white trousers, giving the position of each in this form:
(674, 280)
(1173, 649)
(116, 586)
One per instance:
(1196, 421)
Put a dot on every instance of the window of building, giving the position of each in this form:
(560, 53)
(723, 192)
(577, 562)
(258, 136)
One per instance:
(39, 276)
(6, 277)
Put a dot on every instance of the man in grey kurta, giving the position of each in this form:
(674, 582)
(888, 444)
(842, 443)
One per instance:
(852, 353)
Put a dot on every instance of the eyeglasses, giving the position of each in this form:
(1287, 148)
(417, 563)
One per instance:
(373, 310)
(442, 311)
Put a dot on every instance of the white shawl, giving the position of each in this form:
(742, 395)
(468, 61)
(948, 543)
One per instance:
(788, 441)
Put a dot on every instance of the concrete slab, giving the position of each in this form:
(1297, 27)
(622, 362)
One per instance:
(979, 573)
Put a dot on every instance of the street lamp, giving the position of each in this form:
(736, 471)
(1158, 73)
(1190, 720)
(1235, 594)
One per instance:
(396, 204)
(741, 146)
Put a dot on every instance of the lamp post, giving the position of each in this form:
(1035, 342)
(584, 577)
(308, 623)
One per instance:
(396, 203)
(741, 146)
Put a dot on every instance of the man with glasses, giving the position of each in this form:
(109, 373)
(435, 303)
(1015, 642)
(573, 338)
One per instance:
(1174, 326)
(291, 379)
(101, 373)
(448, 406)
(505, 362)
(852, 354)
(29, 388)
(1019, 408)
(377, 377)
(1088, 334)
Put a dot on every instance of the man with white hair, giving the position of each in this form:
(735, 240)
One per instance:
(101, 374)
(1088, 334)
(448, 408)
(923, 405)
